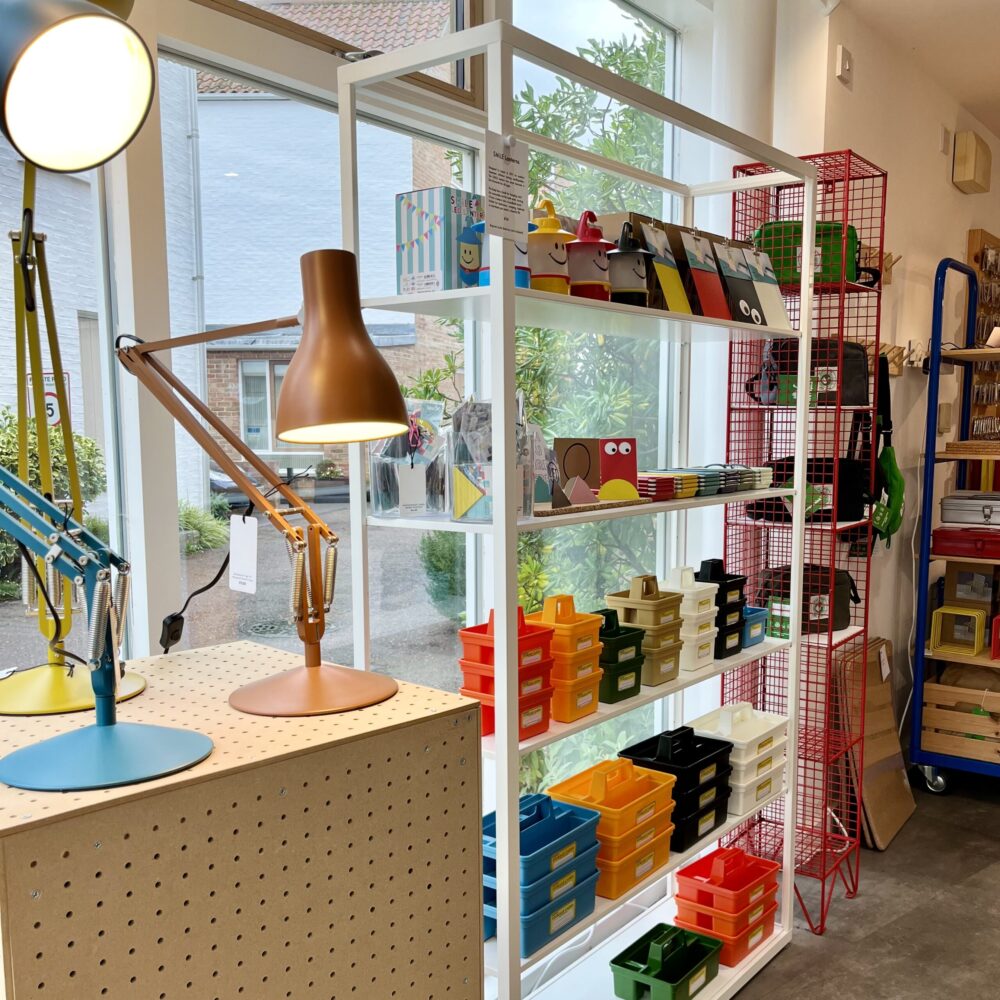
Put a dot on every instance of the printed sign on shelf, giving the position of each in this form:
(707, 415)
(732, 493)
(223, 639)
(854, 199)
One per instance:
(507, 212)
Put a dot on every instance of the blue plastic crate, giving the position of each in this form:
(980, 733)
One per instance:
(489, 924)
(549, 887)
(754, 626)
(553, 834)
(540, 927)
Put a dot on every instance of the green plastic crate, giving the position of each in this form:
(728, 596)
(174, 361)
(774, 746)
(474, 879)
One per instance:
(782, 242)
(621, 680)
(666, 963)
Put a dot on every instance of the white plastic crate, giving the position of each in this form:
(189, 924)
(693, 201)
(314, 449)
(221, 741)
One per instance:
(698, 649)
(750, 731)
(748, 796)
(698, 598)
(746, 771)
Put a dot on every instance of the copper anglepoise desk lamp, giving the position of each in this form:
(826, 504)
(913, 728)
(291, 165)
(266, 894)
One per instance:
(338, 388)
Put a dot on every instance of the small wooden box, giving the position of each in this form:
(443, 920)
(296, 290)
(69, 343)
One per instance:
(973, 163)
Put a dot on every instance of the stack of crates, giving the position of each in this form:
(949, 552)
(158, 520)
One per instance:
(576, 657)
(635, 806)
(759, 740)
(729, 604)
(698, 615)
(558, 874)
(666, 963)
(658, 613)
(701, 769)
(621, 659)
(730, 896)
(534, 671)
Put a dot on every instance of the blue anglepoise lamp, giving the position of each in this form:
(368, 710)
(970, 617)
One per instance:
(108, 753)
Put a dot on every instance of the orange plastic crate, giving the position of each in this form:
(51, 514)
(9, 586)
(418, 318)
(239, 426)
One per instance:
(710, 921)
(626, 796)
(619, 848)
(533, 712)
(574, 700)
(736, 947)
(728, 879)
(534, 642)
(573, 631)
(616, 877)
(480, 679)
(573, 666)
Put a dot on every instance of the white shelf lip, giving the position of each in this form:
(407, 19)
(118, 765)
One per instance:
(647, 695)
(575, 313)
(582, 517)
(833, 640)
(604, 906)
(752, 522)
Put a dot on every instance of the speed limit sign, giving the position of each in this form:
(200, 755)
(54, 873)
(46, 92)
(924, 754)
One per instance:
(53, 415)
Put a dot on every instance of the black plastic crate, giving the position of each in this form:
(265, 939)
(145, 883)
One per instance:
(695, 826)
(692, 759)
(729, 641)
(730, 614)
(705, 794)
(731, 585)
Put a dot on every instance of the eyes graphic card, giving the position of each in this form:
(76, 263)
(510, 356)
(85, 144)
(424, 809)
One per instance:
(765, 284)
(618, 460)
(666, 269)
(740, 293)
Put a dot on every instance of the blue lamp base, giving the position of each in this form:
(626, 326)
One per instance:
(103, 757)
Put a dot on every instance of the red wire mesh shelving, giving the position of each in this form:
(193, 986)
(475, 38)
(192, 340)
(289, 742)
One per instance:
(832, 663)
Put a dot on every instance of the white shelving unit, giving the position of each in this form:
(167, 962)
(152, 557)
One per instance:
(575, 964)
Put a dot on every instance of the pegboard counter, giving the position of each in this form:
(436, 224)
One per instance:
(318, 857)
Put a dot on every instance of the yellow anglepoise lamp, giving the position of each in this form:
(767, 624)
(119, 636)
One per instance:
(337, 389)
(76, 84)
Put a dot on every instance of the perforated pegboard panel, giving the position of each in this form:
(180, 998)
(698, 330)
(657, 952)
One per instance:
(307, 858)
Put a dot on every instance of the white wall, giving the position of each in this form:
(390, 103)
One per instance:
(892, 114)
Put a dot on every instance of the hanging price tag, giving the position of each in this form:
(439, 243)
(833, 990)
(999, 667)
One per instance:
(243, 554)
(506, 187)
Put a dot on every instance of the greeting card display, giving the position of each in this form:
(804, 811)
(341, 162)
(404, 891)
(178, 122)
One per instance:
(765, 284)
(703, 277)
(668, 275)
(619, 469)
(579, 458)
(738, 283)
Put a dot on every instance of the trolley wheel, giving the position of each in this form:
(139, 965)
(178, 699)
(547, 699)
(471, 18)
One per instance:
(936, 782)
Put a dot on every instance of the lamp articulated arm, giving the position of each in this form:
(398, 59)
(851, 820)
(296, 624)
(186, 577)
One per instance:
(313, 572)
(70, 549)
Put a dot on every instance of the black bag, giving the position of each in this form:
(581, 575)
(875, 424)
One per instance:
(781, 357)
(818, 604)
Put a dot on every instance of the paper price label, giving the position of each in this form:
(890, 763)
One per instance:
(584, 643)
(763, 789)
(562, 917)
(765, 765)
(706, 774)
(642, 840)
(562, 857)
(645, 813)
(644, 866)
(626, 681)
(732, 641)
(755, 938)
(706, 823)
(531, 656)
(765, 744)
(243, 554)
(531, 687)
(506, 166)
(626, 654)
(583, 700)
(706, 798)
(698, 980)
(532, 717)
(561, 886)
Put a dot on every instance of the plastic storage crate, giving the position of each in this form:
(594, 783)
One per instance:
(619, 848)
(533, 642)
(662, 664)
(547, 889)
(746, 796)
(696, 825)
(735, 948)
(729, 641)
(731, 585)
(533, 712)
(666, 963)
(625, 796)
(728, 879)
(698, 649)
(531, 679)
(620, 643)
(662, 635)
(553, 835)
(728, 615)
(575, 700)
(693, 760)
(754, 626)
(572, 666)
(644, 604)
(615, 878)
(621, 680)
(708, 920)
(697, 597)
(750, 731)
(572, 631)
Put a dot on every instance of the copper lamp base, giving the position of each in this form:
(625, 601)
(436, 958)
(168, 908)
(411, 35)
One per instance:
(319, 690)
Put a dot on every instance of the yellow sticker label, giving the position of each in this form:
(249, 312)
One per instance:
(626, 681)
(626, 654)
(756, 914)
(755, 629)
(705, 651)
(763, 789)
(706, 774)
(731, 595)
(584, 643)
(706, 823)
(562, 856)
(757, 893)
(668, 664)
(732, 641)
(584, 671)
(705, 627)
(765, 744)
(584, 699)
(532, 716)
(706, 798)
(643, 839)
(561, 886)
(530, 656)
(697, 980)
(765, 765)
(532, 687)
(732, 618)
(667, 618)
(704, 605)
(644, 865)
(755, 939)
(562, 917)
(645, 813)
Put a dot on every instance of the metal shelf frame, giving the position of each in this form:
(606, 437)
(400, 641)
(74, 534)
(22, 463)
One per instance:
(497, 306)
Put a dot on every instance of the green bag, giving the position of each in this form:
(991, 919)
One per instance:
(782, 242)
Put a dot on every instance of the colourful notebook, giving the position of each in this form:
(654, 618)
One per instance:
(765, 284)
(704, 277)
(665, 267)
(738, 284)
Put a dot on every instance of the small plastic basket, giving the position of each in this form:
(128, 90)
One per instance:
(754, 626)
(572, 631)
(728, 879)
(735, 948)
(480, 677)
(698, 650)
(575, 700)
(729, 641)
(662, 635)
(693, 760)
(750, 731)
(748, 796)
(695, 826)
(617, 877)
(568, 667)
(730, 614)
(619, 848)
(553, 835)
(533, 712)
(708, 920)
(702, 621)
(621, 680)
(666, 963)
(644, 604)
(620, 643)
(731, 585)
(697, 597)
(757, 767)
(547, 889)
(533, 642)
(626, 796)
(661, 665)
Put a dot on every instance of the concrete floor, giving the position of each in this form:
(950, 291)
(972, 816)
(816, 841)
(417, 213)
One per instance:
(926, 921)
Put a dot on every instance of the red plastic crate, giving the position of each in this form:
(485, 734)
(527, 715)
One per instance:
(534, 642)
(728, 880)
(736, 947)
(480, 678)
(534, 712)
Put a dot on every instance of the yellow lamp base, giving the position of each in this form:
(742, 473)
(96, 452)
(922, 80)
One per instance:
(50, 690)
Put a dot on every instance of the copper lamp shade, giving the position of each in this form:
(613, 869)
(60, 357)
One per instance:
(338, 388)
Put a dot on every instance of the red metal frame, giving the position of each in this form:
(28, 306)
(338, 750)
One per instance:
(832, 665)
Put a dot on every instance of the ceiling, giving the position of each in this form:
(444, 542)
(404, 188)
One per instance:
(957, 43)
